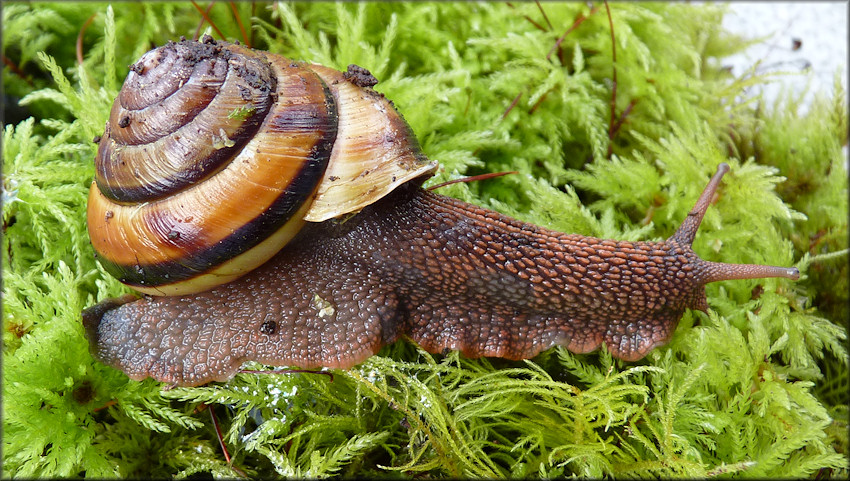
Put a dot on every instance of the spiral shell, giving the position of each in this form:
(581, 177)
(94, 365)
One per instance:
(215, 155)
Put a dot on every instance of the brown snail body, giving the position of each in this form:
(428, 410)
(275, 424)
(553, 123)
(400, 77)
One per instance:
(407, 263)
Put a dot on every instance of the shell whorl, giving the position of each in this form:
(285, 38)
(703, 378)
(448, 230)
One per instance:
(214, 156)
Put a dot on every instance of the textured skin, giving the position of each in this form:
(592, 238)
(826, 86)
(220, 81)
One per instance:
(446, 274)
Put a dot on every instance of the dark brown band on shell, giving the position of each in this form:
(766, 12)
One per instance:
(246, 237)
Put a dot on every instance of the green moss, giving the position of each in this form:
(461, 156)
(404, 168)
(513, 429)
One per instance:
(241, 113)
(756, 388)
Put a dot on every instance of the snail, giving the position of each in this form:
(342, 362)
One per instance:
(202, 132)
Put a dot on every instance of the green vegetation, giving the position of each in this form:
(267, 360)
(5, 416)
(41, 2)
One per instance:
(756, 388)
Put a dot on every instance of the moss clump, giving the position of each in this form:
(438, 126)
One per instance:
(756, 388)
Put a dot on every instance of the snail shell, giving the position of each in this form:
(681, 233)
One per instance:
(215, 155)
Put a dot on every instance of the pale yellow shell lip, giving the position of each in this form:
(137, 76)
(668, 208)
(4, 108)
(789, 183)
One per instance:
(343, 196)
(375, 151)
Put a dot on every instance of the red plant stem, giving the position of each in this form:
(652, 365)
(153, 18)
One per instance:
(219, 435)
(201, 23)
(108, 403)
(207, 18)
(536, 25)
(80, 39)
(511, 106)
(539, 101)
(581, 18)
(239, 22)
(622, 117)
(472, 179)
(614, 79)
(540, 7)
(15, 69)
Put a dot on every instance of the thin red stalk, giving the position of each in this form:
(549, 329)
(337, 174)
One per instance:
(511, 106)
(544, 15)
(581, 18)
(80, 39)
(15, 69)
(108, 403)
(537, 25)
(531, 21)
(611, 130)
(539, 101)
(239, 22)
(218, 434)
(201, 23)
(221, 443)
(472, 178)
(614, 67)
(622, 117)
(207, 18)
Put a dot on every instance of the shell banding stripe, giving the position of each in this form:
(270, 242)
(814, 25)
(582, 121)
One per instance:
(209, 106)
(257, 199)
